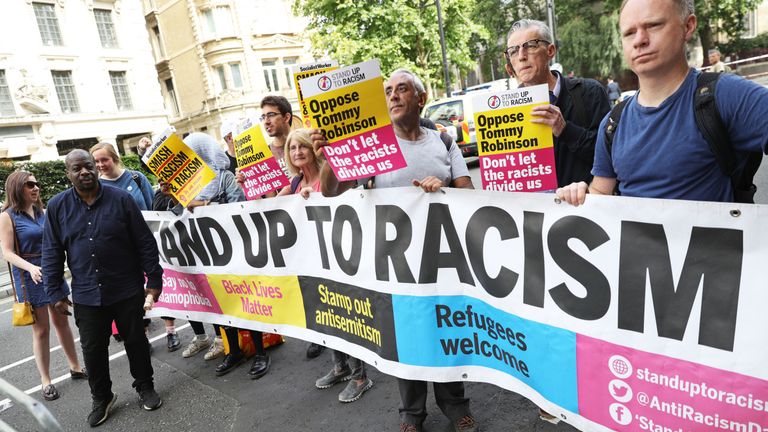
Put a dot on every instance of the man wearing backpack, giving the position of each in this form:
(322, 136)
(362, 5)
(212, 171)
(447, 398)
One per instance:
(576, 104)
(431, 166)
(657, 150)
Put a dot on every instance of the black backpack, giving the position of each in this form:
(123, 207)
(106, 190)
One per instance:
(711, 126)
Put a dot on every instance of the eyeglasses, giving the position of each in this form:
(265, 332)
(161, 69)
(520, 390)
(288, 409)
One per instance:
(32, 184)
(529, 47)
(269, 115)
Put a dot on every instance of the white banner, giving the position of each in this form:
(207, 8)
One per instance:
(622, 314)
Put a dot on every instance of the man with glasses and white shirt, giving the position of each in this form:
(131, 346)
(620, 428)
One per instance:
(577, 105)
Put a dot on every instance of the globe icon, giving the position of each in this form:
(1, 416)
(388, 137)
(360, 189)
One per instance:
(619, 366)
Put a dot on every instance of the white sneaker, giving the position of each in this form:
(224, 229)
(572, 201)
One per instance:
(196, 346)
(216, 351)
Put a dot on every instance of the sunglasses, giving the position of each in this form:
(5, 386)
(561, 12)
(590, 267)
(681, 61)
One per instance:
(32, 184)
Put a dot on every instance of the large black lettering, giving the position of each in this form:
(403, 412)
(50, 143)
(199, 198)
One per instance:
(439, 221)
(207, 226)
(533, 242)
(168, 247)
(320, 215)
(714, 255)
(261, 258)
(347, 215)
(190, 242)
(279, 242)
(393, 250)
(477, 227)
(595, 304)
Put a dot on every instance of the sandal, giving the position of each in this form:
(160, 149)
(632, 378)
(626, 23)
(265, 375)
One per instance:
(78, 375)
(50, 393)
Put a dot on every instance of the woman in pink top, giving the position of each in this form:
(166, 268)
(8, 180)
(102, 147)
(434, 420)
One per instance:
(301, 161)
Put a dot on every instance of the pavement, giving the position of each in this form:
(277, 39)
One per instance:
(194, 399)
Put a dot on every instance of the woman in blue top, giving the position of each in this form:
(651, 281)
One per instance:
(112, 173)
(22, 218)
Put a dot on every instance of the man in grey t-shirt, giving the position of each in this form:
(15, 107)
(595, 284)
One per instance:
(430, 167)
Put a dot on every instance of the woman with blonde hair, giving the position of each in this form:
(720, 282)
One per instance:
(301, 160)
(21, 239)
(113, 173)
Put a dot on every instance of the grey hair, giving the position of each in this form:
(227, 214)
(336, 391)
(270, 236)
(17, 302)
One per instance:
(417, 83)
(544, 31)
(685, 7)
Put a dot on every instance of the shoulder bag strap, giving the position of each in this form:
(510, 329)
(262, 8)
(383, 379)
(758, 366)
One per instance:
(18, 253)
(135, 177)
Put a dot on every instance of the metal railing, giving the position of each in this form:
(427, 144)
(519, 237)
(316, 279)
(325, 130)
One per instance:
(755, 59)
(45, 420)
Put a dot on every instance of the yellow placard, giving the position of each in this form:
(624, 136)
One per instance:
(176, 164)
(267, 299)
(306, 71)
(251, 147)
(509, 130)
(349, 111)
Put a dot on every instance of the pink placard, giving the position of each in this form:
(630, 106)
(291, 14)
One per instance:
(526, 171)
(262, 178)
(366, 155)
(630, 390)
(187, 292)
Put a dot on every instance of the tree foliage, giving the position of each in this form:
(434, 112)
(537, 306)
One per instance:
(400, 33)
(721, 16)
(52, 174)
(404, 33)
(591, 45)
(497, 17)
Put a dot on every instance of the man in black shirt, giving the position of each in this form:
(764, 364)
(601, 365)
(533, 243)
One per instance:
(109, 249)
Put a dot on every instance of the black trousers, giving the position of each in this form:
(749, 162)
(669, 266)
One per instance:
(234, 348)
(95, 325)
(199, 330)
(413, 397)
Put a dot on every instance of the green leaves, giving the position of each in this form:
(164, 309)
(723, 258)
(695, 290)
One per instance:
(51, 174)
(721, 16)
(400, 33)
(591, 44)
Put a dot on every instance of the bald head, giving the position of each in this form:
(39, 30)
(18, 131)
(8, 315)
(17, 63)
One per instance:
(76, 153)
(81, 170)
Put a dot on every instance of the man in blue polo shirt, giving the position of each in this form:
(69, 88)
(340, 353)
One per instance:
(109, 250)
(657, 150)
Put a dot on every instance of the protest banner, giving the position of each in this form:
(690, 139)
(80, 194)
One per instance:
(515, 154)
(303, 71)
(263, 172)
(349, 105)
(175, 163)
(609, 317)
